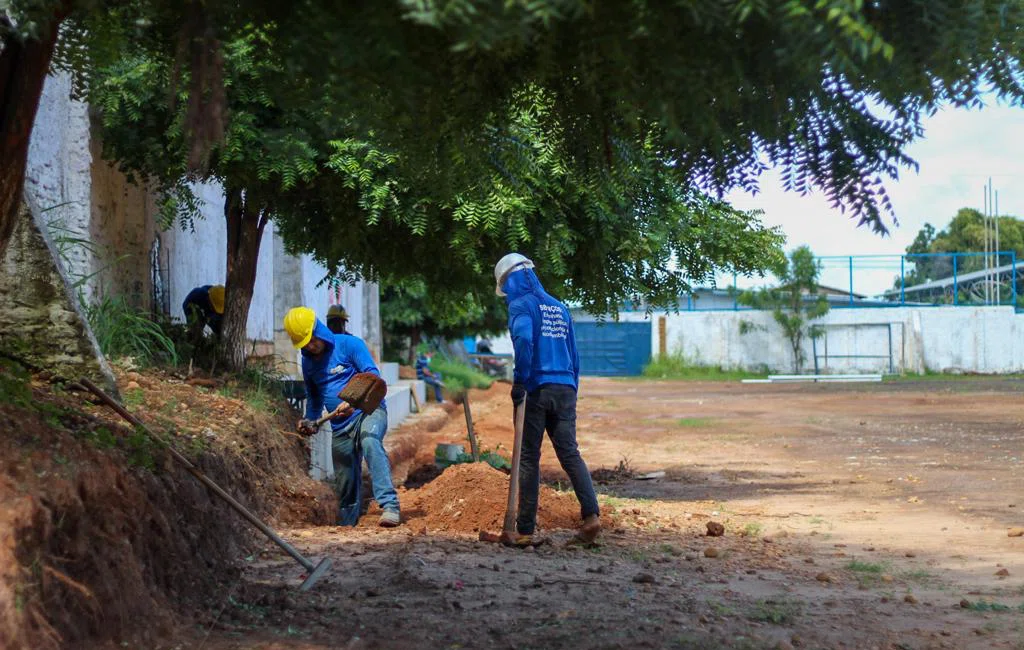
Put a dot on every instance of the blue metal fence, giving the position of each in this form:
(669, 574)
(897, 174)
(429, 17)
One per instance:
(873, 281)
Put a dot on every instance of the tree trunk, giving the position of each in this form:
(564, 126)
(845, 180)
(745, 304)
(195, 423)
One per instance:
(245, 231)
(797, 356)
(414, 341)
(23, 68)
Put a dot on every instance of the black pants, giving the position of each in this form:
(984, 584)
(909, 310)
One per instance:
(551, 407)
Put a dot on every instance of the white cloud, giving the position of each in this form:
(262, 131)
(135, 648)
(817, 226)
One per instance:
(960, 150)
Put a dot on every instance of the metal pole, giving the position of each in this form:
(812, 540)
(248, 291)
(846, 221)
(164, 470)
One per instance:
(851, 280)
(999, 286)
(903, 283)
(954, 278)
(890, 350)
(1013, 276)
(984, 227)
(735, 294)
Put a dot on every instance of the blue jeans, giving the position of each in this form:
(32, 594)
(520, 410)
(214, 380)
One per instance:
(551, 407)
(436, 383)
(348, 466)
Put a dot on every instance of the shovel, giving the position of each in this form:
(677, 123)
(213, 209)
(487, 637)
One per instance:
(365, 391)
(508, 529)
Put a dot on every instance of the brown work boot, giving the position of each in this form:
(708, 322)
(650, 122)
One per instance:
(590, 529)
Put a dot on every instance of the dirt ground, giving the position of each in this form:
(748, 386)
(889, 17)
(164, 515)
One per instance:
(855, 516)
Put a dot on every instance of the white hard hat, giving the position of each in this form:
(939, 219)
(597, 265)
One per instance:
(507, 264)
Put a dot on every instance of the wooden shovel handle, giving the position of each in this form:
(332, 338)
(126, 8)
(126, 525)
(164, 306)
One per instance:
(519, 421)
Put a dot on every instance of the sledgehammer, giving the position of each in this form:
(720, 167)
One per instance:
(313, 571)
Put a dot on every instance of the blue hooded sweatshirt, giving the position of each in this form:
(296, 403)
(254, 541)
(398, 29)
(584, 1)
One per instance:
(327, 374)
(542, 334)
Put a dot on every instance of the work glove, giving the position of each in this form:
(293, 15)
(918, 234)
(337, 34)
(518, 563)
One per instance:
(518, 394)
(306, 427)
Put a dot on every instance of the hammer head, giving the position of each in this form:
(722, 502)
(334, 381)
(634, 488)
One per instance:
(365, 391)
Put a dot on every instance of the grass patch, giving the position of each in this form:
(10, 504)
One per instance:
(777, 612)
(866, 567)
(694, 423)
(134, 397)
(677, 366)
(918, 575)
(752, 529)
(988, 606)
(125, 331)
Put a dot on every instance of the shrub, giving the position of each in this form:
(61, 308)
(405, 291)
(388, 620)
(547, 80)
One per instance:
(458, 376)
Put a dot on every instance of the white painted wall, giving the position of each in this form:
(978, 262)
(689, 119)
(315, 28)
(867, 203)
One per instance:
(948, 339)
(57, 177)
(95, 201)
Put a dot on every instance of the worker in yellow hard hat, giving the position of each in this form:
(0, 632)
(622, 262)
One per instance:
(329, 361)
(204, 307)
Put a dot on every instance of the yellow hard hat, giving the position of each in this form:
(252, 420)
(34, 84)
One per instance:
(217, 298)
(299, 322)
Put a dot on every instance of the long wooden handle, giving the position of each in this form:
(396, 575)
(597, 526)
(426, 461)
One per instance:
(519, 421)
(333, 414)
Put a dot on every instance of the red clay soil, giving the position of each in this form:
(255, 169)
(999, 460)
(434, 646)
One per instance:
(103, 537)
(472, 497)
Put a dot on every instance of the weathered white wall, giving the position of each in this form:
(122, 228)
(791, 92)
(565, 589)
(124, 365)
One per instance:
(951, 339)
(74, 188)
(57, 178)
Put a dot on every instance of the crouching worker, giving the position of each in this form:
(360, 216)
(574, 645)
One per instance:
(204, 306)
(547, 375)
(329, 361)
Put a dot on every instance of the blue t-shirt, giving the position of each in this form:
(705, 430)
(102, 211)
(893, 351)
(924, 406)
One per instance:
(326, 375)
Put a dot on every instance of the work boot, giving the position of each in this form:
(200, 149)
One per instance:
(390, 519)
(518, 540)
(590, 529)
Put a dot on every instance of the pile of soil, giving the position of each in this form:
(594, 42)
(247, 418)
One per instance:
(471, 497)
(103, 537)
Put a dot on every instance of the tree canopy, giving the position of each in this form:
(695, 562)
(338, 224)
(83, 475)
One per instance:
(592, 136)
(964, 234)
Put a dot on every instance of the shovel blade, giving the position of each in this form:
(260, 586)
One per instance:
(315, 575)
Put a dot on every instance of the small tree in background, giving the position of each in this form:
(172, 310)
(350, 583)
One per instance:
(794, 303)
(410, 313)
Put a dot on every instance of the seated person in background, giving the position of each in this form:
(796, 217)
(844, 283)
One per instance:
(204, 306)
(337, 319)
(428, 376)
(484, 347)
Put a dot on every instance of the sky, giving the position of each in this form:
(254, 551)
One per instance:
(960, 150)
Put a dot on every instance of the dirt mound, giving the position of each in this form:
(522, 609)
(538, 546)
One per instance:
(471, 497)
(103, 537)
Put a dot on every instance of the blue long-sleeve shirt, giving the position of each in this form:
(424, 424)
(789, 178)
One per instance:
(542, 334)
(326, 375)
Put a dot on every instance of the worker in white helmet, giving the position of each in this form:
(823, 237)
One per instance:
(546, 376)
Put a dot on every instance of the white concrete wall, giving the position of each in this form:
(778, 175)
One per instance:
(57, 177)
(79, 191)
(948, 339)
